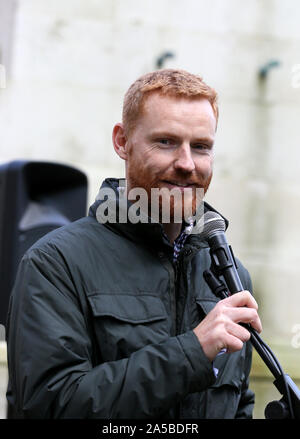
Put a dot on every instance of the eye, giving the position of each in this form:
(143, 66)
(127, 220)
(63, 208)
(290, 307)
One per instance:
(165, 141)
(202, 147)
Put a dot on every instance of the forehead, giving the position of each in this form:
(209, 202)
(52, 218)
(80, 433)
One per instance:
(161, 110)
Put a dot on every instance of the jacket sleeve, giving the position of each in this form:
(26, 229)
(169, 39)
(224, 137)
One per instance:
(246, 404)
(50, 356)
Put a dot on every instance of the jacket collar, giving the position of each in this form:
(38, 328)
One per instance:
(148, 232)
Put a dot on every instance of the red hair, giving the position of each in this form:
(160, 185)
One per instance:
(169, 82)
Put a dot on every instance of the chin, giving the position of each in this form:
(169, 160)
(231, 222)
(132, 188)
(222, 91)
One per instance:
(178, 214)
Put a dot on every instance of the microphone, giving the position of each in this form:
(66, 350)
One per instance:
(222, 257)
(223, 264)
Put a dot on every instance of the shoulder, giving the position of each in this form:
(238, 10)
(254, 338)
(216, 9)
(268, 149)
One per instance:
(71, 240)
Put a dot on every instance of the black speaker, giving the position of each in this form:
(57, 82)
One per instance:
(35, 198)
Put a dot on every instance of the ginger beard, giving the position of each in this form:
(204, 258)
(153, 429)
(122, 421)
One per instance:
(166, 203)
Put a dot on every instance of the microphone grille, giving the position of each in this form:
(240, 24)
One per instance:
(213, 222)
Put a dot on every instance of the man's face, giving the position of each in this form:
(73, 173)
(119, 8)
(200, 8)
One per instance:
(172, 147)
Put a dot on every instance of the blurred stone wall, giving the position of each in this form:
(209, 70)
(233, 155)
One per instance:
(69, 63)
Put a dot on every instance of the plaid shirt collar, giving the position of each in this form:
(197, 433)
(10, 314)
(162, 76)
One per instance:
(180, 240)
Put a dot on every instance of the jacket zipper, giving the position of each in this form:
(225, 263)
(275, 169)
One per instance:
(172, 276)
(173, 270)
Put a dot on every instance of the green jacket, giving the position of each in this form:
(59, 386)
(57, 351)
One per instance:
(100, 326)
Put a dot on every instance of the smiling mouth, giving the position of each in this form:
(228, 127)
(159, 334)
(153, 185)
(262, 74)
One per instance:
(177, 183)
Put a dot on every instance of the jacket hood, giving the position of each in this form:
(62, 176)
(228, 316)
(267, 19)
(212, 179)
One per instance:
(111, 196)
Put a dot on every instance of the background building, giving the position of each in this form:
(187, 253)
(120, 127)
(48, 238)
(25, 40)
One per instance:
(67, 65)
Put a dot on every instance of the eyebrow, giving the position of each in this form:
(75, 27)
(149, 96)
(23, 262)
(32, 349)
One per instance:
(162, 134)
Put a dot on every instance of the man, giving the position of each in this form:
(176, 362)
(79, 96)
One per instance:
(113, 319)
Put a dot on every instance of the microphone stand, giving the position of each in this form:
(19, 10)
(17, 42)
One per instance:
(289, 405)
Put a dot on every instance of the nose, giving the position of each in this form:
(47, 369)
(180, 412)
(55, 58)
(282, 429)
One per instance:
(184, 161)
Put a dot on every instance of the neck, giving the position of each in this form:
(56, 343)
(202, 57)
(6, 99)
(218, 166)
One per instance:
(172, 230)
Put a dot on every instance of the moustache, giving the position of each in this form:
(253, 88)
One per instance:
(178, 179)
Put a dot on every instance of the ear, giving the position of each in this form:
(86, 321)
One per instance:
(120, 141)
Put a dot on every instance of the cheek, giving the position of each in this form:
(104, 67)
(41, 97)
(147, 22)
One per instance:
(142, 171)
(154, 165)
(204, 167)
